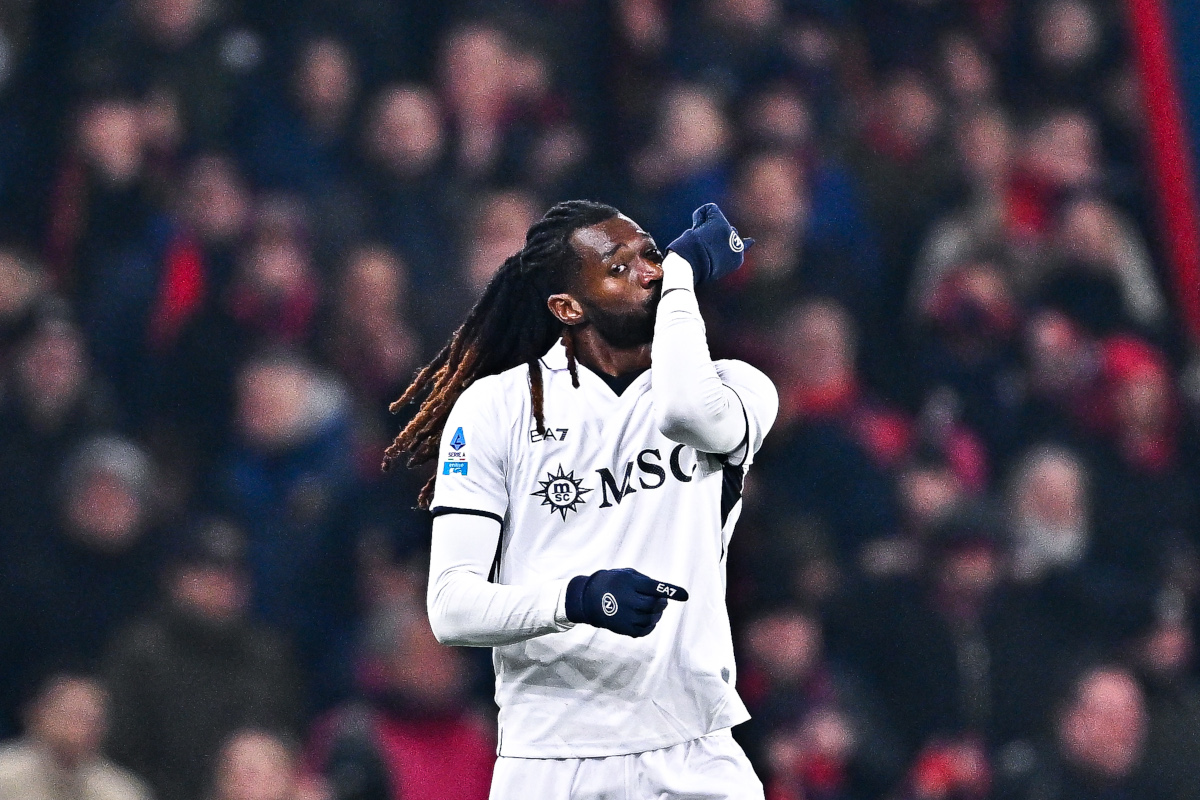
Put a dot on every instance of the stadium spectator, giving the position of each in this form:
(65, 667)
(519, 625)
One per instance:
(186, 677)
(60, 754)
(255, 764)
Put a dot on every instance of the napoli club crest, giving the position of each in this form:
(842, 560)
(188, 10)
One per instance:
(562, 492)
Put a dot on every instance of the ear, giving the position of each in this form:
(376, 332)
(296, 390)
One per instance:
(566, 308)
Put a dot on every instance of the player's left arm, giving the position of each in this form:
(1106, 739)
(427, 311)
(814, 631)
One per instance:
(716, 411)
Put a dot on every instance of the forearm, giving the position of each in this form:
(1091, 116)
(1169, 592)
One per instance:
(692, 405)
(465, 608)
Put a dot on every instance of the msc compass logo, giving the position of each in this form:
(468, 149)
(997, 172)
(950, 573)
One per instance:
(608, 604)
(735, 242)
(561, 491)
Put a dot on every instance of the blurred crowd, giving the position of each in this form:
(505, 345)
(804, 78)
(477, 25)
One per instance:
(969, 561)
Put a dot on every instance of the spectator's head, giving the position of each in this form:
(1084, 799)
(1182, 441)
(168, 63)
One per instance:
(965, 557)
(770, 195)
(1101, 726)
(51, 367)
(404, 129)
(745, 17)
(216, 200)
(967, 69)
(1165, 653)
(1092, 232)
(414, 669)
(107, 487)
(475, 72)
(1140, 391)
(282, 401)
(277, 262)
(818, 342)
(22, 285)
(326, 82)
(1048, 510)
(207, 580)
(786, 644)
(973, 308)
(109, 138)
(1061, 361)
(693, 131)
(985, 144)
(373, 284)
(1063, 151)
(498, 229)
(908, 114)
(779, 116)
(69, 717)
(929, 491)
(172, 23)
(1068, 36)
(255, 765)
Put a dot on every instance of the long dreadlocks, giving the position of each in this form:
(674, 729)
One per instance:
(510, 325)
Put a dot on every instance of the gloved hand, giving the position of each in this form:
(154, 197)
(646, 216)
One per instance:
(712, 246)
(622, 600)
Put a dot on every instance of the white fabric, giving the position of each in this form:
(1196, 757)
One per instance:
(465, 609)
(691, 403)
(712, 767)
(604, 488)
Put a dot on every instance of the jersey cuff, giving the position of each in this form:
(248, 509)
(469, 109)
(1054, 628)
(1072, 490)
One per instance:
(438, 511)
(560, 610)
(677, 273)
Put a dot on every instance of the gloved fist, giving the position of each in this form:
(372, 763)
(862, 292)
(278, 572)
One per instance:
(622, 600)
(712, 246)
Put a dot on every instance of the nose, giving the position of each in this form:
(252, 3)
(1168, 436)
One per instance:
(648, 273)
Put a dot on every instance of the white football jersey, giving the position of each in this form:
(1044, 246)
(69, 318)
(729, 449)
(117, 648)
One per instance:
(604, 489)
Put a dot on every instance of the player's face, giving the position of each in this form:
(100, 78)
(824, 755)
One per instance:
(620, 283)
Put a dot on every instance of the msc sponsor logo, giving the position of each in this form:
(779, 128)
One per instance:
(562, 491)
(649, 466)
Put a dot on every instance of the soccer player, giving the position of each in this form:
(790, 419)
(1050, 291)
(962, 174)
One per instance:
(589, 462)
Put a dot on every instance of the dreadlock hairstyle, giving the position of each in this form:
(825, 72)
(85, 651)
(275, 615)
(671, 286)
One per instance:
(509, 325)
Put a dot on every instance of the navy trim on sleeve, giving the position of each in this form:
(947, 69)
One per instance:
(745, 438)
(475, 512)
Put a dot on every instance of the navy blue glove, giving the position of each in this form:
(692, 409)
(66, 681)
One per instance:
(712, 246)
(622, 600)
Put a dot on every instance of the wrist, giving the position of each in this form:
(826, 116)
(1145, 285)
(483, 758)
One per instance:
(677, 273)
(574, 599)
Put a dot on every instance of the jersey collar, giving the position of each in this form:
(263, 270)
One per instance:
(555, 359)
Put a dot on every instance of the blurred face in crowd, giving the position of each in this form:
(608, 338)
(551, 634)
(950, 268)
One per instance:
(1057, 355)
(1090, 230)
(1064, 150)
(374, 284)
(970, 570)
(255, 766)
(172, 22)
(1049, 510)
(1103, 728)
(912, 112)
(749, 16)
(928, 494)
(215, 199)
(1165, 654)
(326, 81)
(1067, 34)
(771, 195)
(786, 645)
(1142, 403)
(70, 719)
(969, 74)
(985, 147)
(499, 231)
(475, 76)
(405, 130)
(779, 117)
(52, 371)
(819, 347)
(104, 512)
(216, 593)
(418, 668)
(110, 139)
(273, 398)
(20, 284)
(693, 129)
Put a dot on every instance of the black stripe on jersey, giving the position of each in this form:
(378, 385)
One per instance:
(732, 479)
(475, 512)
(438, 511)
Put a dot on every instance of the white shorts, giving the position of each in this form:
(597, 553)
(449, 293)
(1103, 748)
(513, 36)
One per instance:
(712, 767)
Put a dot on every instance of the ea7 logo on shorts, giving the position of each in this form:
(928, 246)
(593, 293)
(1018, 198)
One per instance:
(562, 492)
(735, 242)
(608, 604)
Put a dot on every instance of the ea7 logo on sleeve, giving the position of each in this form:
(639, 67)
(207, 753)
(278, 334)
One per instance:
(562, 492)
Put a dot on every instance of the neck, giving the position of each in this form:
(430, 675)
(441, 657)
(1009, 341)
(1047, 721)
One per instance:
(592, 351)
